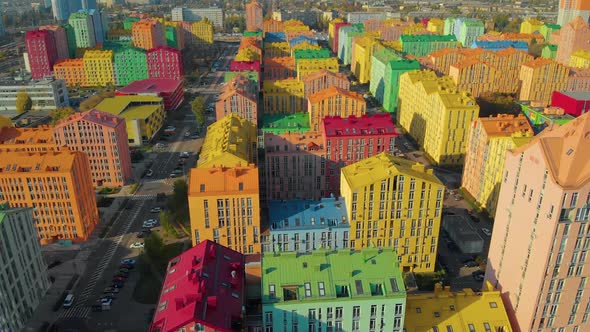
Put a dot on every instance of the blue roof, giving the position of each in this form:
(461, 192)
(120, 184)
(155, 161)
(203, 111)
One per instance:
(275, 37)
(297, 214)
(500, 44)
(301, 39)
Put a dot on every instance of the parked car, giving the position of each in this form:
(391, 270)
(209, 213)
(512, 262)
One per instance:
(184, 154)
(128, 261)
(119, 279)
(136, 245)
(69, 301)
(149, 173)
(121, 274)
(471, 264)
(187, 134)
(150, 221)
(173, 175)
(124, 270)
(156, 209)
(118, 284)
(486, 231)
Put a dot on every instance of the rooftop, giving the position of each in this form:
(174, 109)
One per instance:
(93, 116)
(205, 284)
(295, 214)
(377, 124)
(280, 123)
(151, 86)
(231, 134)
(321, 73)
(335, 91)
(507, 125)
(428, 38)
(130, 107)
(38, 162)
(485, 44)
(223, 180)
(344, 275)
(39, 135)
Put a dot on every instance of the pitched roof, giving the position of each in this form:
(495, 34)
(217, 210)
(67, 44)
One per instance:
(334, 91)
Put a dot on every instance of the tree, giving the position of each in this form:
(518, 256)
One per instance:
(153, 246)
(501, 21)
(23, 102)
(198, 108)
(178, 202)
(60, 113)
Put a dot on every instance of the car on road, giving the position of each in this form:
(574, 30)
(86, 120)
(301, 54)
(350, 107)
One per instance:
(121, 274)
(119, 279)
(194, 136)
(486, 231)
(148, 226)
(187, 134)
(185, 154)
(69, 301)
(173, 175)
(149, 173)
(128, 261)
(123, 270)
(106, 301)
(156, 209)
(471, 264)
(136, 245)
(178, 170)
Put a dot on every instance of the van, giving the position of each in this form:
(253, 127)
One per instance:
(69, 301)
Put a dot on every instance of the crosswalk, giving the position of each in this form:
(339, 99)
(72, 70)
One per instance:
(143, 197)
(78, 311)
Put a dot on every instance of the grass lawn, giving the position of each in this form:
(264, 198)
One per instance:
(147, 289)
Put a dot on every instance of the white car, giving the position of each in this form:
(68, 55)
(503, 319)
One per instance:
(155, 209)
(486, 231)
(136, 245)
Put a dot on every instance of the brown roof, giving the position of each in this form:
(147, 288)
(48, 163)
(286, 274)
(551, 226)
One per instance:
(334, 91)
(506, 125)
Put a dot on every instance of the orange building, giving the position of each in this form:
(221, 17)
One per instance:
(334, 102)
(224, 207)
(71, 71)
(148, 34)
(254, 18)
(272, 25)
(540, 77)
(579, 80)
(103, 137)
(323, 79)
(508, 63)
(474, 76)
(39, 139)
(279, 68)
(57, 186)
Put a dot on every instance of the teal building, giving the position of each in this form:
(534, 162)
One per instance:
(469, 31)
(323, 53)
(345, 41)
(380, 60)
(391, 81)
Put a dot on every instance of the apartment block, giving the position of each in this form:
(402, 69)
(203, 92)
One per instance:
(57, 185)
(148, 34)
(469, 31)
(99, 67)
(278, 124)
(464, 310)
(130, 65)
(573, 103)
(310, 291)
(276, 49)
(193, 278)
(279, 68)
(580, 59)
(201, 33)
(254, 18)
(45, 95)
(548, 29)
(84, 31)
(569, 10)
(489, 139)
(540, 229)
(174, 35)
(23, 273)
(165, 62)
(239, 96)
(573, 37)
(380, 60)
(401, 217)
(61, 40)
(103, 137)
(540, 77)
(171, 91)
(39, 139)
(271, 25)
(251, 66)
(579, 80)
(212, 14)
(422, 45)
(283, 96)
(41, 53)
(436, 115)
(323, 79)
(361, 56)
(550, 52)
(391, 79)
(474, 76)
(334, 101)
(345, 36)
(436, 26)
(334, 33)
(71, 71)
(306, 67)
(224, 207)
(531, 25)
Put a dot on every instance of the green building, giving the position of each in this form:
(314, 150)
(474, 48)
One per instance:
(128, 22)
(549, 52)
(342, 290)
(380, 60)
(323, 53)
(547, 29)
(281, 123)
(391, 81)
(130, 65)
(469, 31)
(71, 37)
(251, 75)
(253, 34)
(172, 37)
(83, 29)
(345, 41)
(541, 119)
(421, 45)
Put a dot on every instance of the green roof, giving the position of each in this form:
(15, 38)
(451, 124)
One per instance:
(553, 26)
(281, 123)
(312, 54)
(404, 64)
(475, 23)
(552, 47)
(252, 33)
(385, 55)
(346, 275)
(427, 38)
(131, 107)
(251, 75)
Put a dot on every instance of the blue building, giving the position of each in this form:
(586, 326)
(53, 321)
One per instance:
(307, 225)
(275, 37)
(499, 45)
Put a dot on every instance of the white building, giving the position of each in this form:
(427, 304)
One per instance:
(23, 273)
(45, 95)
(361, 17)
(215, 15)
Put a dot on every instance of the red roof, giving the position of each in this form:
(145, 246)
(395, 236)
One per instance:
(205, 285)
(156, 85)
(366, 125)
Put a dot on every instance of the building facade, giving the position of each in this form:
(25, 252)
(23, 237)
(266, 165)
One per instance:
(239, 96)
(254, 18)
(283, 96)
(71, 71)
(148, 34)
(61, 40)
(83, 27)
(391, 79)
(165, 62)
(422, 45)
(99, 68)
(130, 64)
(573, 103)
(569, 10)
(334, 101)
(580, 59)
(213, 15)
(171, 91)
(573, 37)
(323, 79)
(45, 95)
(41, 52)
(540, 77)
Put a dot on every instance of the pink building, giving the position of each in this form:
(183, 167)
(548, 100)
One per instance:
(323, 79)
(573, 103)
(204, 291)
(103, 137)
(537, 256)
(61, 40)
(239, 96)
(170, 90)
(246, 66)
(41, 52)
(579, 80)
(165, 62)
(573, 37)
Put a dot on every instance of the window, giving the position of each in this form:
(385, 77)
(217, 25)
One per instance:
(397, 322)
(356, 312)
(271, 291)
(307, 289)
(449, 328)
(436, 314)
(493, 305)
(419, 310)
(487, 327)
(471, 327)
(311, 314)
(338, 313)
(398, 309)
(321, 288)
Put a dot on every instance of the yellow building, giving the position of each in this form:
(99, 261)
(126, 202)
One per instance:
(224, 207)
(540, 77)
(283, 96)
(277, 49)
(310, 66)
(202, 32)
(531, 25)
(304, 46)
(465, 311)
(332, 30)
(489, 139)
(394, 202)
(414, 29)
(436, 115)
(99, 68)
(247, 54)
(580, 59)
(229, 142)
(436, 26)
(363, 50)
(144, 115)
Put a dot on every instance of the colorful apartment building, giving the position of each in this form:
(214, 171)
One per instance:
(283, 96)
(436, 115)
(239, 96)
(322, 53)
(489, 139)
(549, 52)
(531, 25)
(334, 33)
(579, 80)
(573, 37)
(508, 62)
(341, 290)
(541, 117)
(240, 66)
(194, 278)
(391, 79)
(306, 67)
(279, 124)
(469, 31)
(71, 71)
(84, 32)
(475, 76)
(71, 36)
(334, 102)
(436, 26)
(229, 142)
(174, 35)
(540, 77)
(171, 91)
(99, 67)
(254, 18)
(279, 68)
(144, 115)
(323, 79)
(363, 49)
(499, 45)
(345, 35)
(306, 225)
(380, 60)
(441, 60)
(465, 310)
(548, 29)
(129, 21)
(103, 137)
(569, 10)
(130, 65)
(277, 49)
(22, 265)
(61, 40)
(165, 62)
(573, 103)
(39, 139)
(422, 45)
(405, 216)
(580, 59)
(41, 52)
(148, 34)
(272, 25)
(202, 33)
(539, 230)
(224, 207)
(57, 185)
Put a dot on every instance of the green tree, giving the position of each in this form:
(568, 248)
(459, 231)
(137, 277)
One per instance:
(178, 202)
(23, 102)
(60, 113)
(198, 108)
(153, 246)
(501, 21)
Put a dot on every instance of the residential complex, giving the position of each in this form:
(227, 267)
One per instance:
(98, 67)
(71, 71)
(537, 251)
(83, 25)
(422, 45)
(580, 59)
(569, 9)
(323, 79)
(165, 62)
(213, 15)
(405, 216)
(23, 273)
(239, 96)
(540, 77)
(224, 207)
(254, 16)
(283, 96)
(334, 102)
(573, 37)
(341, 290)
(130, 64)
(541, 117)
(60, 38)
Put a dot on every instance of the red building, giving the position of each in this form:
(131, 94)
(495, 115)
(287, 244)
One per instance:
(41, 51)
(348, 140)
(573, 103)
(61, 40)
(165, 62)
(337, 27)
(203, 291)
(170, 90)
